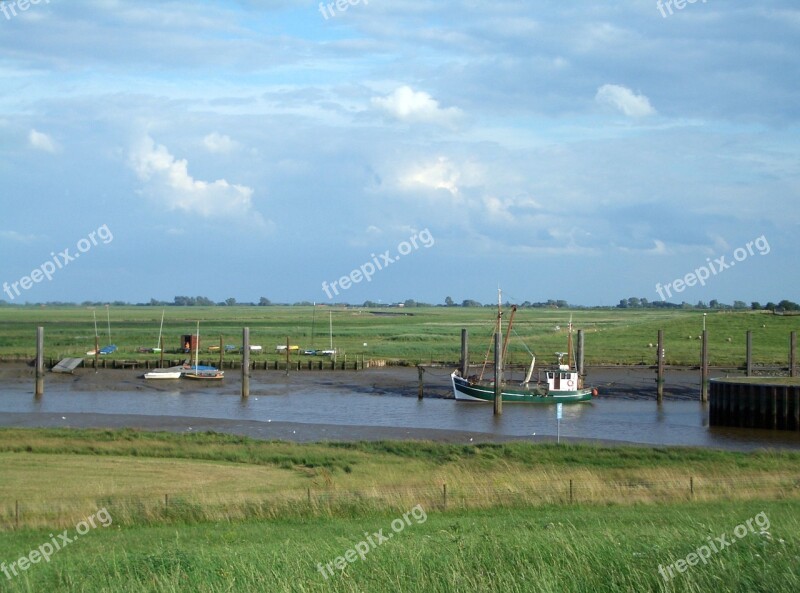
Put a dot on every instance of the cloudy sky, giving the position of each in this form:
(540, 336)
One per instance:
(579, 150)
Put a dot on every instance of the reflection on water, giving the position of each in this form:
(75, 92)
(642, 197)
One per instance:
(677, 422)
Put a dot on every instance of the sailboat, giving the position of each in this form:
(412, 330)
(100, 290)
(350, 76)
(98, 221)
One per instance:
(111, 348)
(331, 351)
(563, 385)
(202, 373)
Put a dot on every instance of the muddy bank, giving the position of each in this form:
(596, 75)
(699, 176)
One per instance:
(617, 382)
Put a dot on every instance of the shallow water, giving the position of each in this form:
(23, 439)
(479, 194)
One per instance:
(341, 401)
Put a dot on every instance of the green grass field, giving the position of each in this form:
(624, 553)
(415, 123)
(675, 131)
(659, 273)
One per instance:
(613, 336)
(501, 539)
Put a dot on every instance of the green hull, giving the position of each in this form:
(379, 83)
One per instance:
(466, 391)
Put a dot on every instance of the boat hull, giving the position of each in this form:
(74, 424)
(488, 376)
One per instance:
(463, 390)
(163, 375)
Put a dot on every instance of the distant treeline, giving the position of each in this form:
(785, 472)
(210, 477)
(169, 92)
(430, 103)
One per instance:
(629, 303)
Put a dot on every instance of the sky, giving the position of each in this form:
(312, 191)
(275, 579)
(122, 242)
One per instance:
(387, 150)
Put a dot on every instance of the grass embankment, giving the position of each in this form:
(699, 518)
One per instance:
(58, 475)
(507, 525)
(548, 549)
(425, 334)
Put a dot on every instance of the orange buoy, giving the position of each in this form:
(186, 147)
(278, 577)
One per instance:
(594, 392)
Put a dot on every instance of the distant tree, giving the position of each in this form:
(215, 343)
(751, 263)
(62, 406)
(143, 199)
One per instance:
(409, 303)
(701, 305)
(634, 303)
(204, 302)
(713, 304)
(264, 302)
(471, 303)
(643, 302)
(788, 305)
(562, 304)
(623, 304)
(770, 306)
(739, 305)
(756, 306)
(448, 302)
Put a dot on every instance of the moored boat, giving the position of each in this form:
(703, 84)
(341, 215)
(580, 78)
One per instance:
(163, 374)
(563, 384)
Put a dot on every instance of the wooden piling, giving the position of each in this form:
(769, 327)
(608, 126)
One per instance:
(660, 368)
(704, 368)
(246, 362)
(221, 351)
(287, 356)
(749, 354)
(39, 390)
(420, 388)
(464, 353)
(793, 354)
(498, 375)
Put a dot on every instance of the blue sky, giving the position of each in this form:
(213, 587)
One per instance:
(584, 151)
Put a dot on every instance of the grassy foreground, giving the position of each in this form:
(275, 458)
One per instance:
(550, 549)
(424, 334)
(249, 515)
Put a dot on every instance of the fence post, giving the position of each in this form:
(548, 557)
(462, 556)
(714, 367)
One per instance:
(444, 496)
(308, 494)
(16, 513)
(166, 501)
(570, 491)
(691, 486)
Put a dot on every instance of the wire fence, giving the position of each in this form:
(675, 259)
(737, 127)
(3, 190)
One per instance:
(314, 502)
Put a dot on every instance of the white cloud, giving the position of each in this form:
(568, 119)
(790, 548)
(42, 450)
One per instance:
(409, 105)
(168, 179)
(18, 237)
(443, 174)
(625, 100)
(219, 143)
(41, 141)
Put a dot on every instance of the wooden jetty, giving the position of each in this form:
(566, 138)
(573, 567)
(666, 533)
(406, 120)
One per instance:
(771, 403)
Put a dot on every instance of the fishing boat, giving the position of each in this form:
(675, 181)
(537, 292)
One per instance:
(563, 383)
(199, 373)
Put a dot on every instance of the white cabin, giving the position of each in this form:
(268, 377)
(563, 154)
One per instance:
(562, 380)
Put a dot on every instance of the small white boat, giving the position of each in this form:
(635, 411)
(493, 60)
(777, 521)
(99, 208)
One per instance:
(163, 374)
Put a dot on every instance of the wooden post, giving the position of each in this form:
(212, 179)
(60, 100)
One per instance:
(704, 368)
(221, 350)
(691, 486)
(16, 513)
(660, 367)
(246, 362)
(444, 496)
(793, 354)
(420, 388)
(749, 354)
(287, 356)
(498, 375)
(39, 362)
(464, 353)
(570, 491)
(580, 357)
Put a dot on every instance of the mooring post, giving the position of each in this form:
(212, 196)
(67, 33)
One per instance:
(793, 354)
(498, 375)
(660, 368)
(748, 365)
(221, 350)
(246, 362)
(704, 368)
(420, 388)
(287, 356)
(39, 362)
(580, 357)
(464, 353)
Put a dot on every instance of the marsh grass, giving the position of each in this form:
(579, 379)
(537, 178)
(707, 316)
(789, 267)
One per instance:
(56, 476)
(613, 336)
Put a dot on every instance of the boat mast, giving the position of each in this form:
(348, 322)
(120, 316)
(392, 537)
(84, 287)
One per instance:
(197, 349)
(569, 343)
(108, 316)
(313, 318)
(158, 344)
